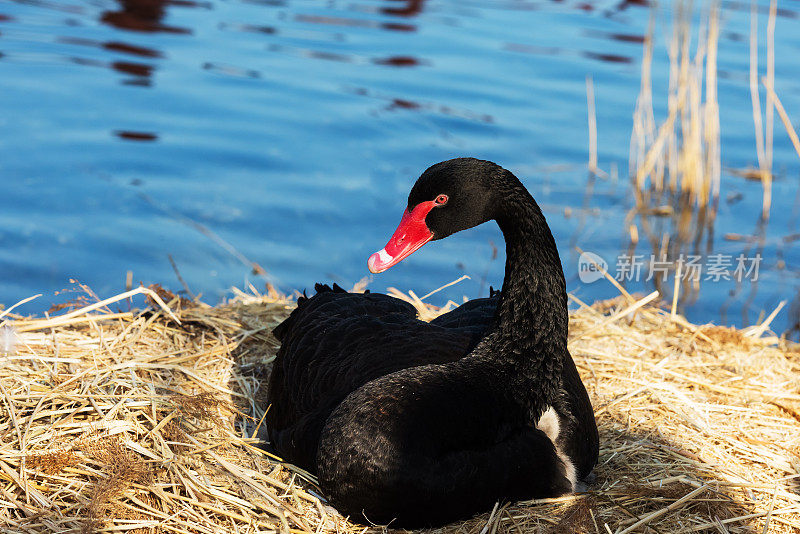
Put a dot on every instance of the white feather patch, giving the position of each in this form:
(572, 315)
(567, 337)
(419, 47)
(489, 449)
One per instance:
(550, 425)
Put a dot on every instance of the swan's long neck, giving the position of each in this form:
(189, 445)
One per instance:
(529, 337)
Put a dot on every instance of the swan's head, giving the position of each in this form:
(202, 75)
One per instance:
(448, 197)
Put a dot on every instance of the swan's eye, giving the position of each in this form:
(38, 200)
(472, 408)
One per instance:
(441, 200)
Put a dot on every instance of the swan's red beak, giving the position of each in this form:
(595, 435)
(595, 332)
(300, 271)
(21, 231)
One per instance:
(410, 235)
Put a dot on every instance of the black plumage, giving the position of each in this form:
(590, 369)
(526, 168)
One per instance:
(419, 423)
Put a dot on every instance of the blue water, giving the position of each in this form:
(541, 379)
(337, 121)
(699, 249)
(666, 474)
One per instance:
(133, 131)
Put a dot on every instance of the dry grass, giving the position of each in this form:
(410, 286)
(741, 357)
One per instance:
(133, 422)
(678, 162)
(675, 164)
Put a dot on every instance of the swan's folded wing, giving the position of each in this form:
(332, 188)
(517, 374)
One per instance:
(336, 302)
(329, 353)
(476, 314)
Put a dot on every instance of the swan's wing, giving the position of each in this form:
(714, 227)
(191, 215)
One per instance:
(476, 314)
(336, 302)
(336, 345)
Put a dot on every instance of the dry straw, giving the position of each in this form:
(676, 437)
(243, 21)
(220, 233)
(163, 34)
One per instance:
(149, 421)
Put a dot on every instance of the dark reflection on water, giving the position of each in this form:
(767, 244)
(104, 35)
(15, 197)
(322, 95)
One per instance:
(621, 37)
(608, 58)
(113, 46)
(144, 15)
(136, 69)
(399, 61)
(286, 133)
(405, 8)
(399, 103)
(136, 136)
(398, 27)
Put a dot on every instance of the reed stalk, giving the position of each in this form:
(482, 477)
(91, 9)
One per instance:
(678, 162)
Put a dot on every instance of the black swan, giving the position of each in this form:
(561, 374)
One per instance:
(419, 424)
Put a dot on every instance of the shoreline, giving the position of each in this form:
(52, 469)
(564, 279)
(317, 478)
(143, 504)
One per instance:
(150, 420)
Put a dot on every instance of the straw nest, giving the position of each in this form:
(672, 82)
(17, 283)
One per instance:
(149, 421)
